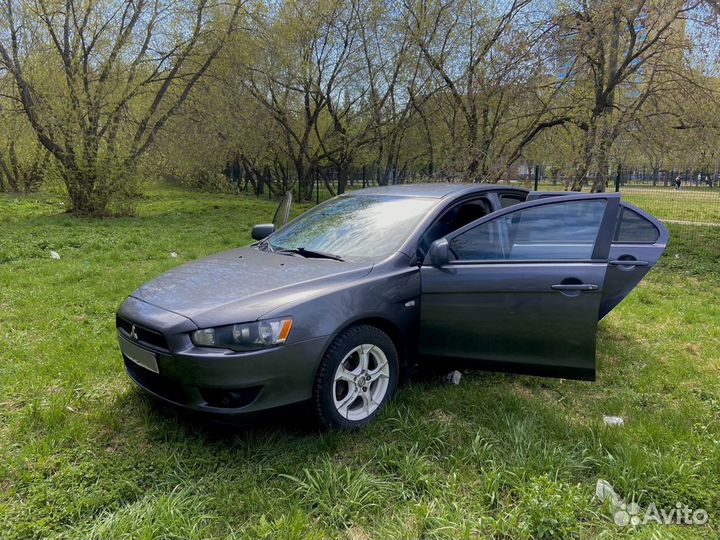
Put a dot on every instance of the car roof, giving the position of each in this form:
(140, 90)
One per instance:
(435, 190)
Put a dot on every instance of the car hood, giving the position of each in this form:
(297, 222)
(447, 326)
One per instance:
(243, 284)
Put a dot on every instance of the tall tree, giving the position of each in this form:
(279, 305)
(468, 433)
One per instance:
(624, 52)
(487, 58)
(98, 79)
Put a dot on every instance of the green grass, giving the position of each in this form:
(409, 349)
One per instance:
(689, 204)
(84, 454)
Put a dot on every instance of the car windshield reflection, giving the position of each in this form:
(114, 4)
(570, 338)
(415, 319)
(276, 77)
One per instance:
(363, 227)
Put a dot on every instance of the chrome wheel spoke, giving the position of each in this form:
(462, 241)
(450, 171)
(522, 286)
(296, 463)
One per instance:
(344, 403)
(382, 370)
(344, 374)
(364, 351)
(367, 403)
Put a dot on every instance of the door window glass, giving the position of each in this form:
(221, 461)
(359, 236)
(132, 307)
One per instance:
(562, 230)
(452, 220)
(507, 199)
(635, 229)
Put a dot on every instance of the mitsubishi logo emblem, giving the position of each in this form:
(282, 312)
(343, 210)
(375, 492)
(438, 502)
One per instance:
(133, 333)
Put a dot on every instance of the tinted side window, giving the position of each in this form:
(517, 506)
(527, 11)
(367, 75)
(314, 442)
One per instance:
(562, 230)
(453, 219)
(635, 229)
(509, 200)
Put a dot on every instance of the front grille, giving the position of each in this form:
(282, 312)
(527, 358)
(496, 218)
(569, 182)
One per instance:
(144, 335)
(164, 387)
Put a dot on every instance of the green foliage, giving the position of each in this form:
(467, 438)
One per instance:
(85, 454)
(97, 82)
(279, 93)
(342, 494)
(550, 509)
(177, 514)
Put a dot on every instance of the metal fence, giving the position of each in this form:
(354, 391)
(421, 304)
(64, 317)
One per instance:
(687, 201)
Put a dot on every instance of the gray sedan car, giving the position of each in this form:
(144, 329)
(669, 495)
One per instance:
(335, 307)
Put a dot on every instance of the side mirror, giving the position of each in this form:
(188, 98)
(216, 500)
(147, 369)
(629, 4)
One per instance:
(262, 230)
(440, 252)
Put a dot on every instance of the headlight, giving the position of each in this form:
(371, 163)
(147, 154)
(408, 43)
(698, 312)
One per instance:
(245, 336)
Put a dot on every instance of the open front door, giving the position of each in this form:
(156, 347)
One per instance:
(523, 287)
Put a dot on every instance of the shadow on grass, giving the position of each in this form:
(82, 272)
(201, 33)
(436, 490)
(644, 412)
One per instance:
(622, 363)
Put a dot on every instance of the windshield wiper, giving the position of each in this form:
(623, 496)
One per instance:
(311, 253)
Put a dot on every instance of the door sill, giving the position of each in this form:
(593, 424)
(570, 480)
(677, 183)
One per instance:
(520, 368)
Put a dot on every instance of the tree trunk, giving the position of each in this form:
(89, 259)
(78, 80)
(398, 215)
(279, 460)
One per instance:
(301, 173)
(607, 134)
(603, 157)
(343, 173)
(328, 184)
(249, 175)
(84, 201)
(306, 177)
(10, 183)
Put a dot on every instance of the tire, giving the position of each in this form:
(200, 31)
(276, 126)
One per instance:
(362, 362)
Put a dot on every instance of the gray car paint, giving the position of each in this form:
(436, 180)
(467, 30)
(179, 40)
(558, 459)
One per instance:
(622, 278)
(320, 309)
(243, 284)
(323, 296)
(507, 312)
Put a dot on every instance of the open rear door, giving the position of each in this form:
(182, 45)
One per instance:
(639, 241)
(637, 244)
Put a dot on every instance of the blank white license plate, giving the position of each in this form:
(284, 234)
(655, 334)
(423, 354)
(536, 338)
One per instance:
(140, 356)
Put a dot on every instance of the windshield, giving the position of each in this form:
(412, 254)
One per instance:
(365, 226)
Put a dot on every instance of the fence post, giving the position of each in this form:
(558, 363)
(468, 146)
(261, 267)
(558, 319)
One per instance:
(617, 178)
(317, 186)
(537, 176)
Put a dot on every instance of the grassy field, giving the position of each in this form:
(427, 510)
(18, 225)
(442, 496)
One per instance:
(691, 204)
(84, 454)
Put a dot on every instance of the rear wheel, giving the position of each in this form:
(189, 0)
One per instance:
(357, 377)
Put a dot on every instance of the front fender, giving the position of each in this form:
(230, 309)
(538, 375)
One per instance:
(391, 295)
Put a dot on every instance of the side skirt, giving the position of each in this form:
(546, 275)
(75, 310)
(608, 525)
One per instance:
(558, 372)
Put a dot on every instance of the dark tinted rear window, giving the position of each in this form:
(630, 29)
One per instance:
(635, 229)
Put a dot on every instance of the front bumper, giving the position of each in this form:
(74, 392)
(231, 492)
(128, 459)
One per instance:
(226, 383)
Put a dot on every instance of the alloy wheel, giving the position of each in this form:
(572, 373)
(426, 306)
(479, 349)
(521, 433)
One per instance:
(361, 382)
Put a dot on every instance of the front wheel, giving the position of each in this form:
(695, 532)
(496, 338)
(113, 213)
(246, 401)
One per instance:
(357, 377)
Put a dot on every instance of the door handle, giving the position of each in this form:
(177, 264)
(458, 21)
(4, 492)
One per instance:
(628, 262)
(575, 287)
